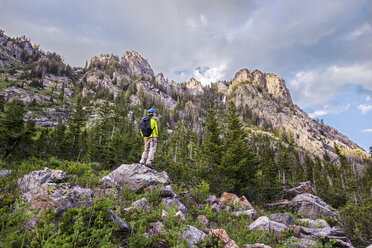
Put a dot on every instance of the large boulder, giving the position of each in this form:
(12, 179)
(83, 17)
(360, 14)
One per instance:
(312, 206)
(283, 218)
(326, 234)
(36, 179)
(306, 205)
(304, 187)
(57, 197)
(134, 176)
(264, 223)
(193, 236)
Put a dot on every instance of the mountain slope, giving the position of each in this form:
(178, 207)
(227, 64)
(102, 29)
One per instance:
(49, 88)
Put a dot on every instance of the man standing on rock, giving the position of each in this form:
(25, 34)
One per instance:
(149, 126)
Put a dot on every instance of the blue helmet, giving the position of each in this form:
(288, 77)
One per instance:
(151, 110)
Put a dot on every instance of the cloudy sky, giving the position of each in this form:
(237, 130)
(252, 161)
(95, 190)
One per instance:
(322, 48)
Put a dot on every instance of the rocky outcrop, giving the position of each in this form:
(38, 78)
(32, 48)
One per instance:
(14, 52)
(134, 176)
(267, 97)
(304, 187)
(264, 83)
(194, 87)
(136, 66)
(36, 179)
(23, 96)
(193, 236)
(306, 205)
(57, 197)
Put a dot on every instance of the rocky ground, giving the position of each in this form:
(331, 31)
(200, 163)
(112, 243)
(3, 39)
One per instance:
(298, 220)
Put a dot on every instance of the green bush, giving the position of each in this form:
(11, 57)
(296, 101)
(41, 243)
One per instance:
(356, 220)
(201, 193)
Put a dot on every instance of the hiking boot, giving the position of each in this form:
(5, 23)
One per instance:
(149, 166)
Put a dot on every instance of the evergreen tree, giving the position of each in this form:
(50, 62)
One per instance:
(76, 123)
(12, 128)
(239, 163)
(211, 149)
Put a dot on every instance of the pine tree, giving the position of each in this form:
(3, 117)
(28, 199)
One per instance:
(76, 123)
(211, 147)
(12, 128)
(239, 163)
(270, 180)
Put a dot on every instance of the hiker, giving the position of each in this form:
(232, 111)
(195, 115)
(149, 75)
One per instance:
(149, 126)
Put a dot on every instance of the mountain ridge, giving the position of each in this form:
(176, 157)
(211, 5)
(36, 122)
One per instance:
(262, 94)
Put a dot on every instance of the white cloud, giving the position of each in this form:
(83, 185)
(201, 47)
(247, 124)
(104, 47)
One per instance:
(318, 113)
(209, 75)
(365, 28)
(315, 87)
(365, 108)
(369, 130)
(368, 98)
(332, 108)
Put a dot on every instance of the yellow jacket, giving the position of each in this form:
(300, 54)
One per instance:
(154, 124)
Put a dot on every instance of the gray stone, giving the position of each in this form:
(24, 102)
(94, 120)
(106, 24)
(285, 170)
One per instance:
(36, 179)
(143, 204)
(124, 227)
(164, 215)
(134, 176)
(155, 228)
(193, 236)
(257, 246)
(109, 192)
(167, 191)
(304, 187)
(319, 223)
(312, 206)
(300, 243)
(4, 173)
(216, 207)
(264, 223)
(180, 215)
(174, 202)
(211, 199)
(57, 197)
(202, 219)
(251, 213)
(283, 218)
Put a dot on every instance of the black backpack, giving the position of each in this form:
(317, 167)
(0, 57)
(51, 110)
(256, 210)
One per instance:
(145, 126)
